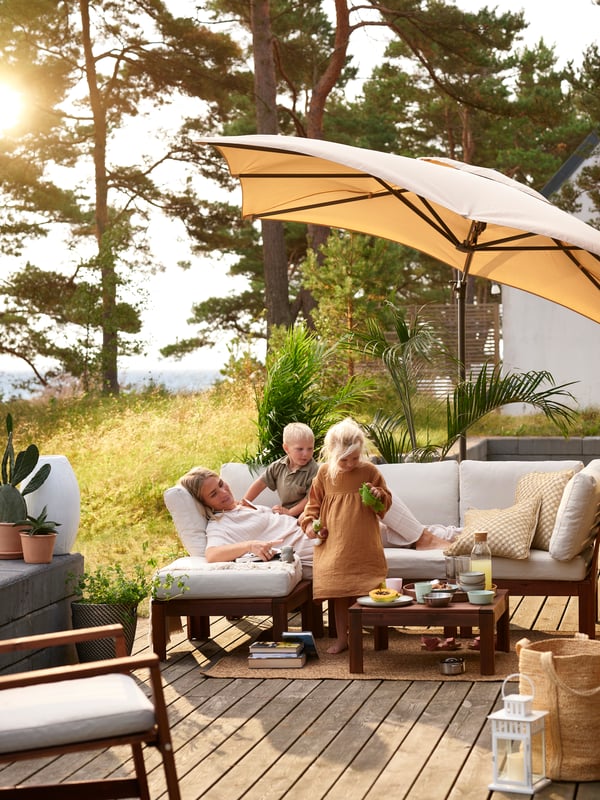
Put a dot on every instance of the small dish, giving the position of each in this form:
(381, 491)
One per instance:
(402, 600)
(438, 599)
(481, 597)
(471, 577)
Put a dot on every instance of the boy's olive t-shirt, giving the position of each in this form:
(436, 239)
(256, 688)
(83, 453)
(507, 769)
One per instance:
(290, 486)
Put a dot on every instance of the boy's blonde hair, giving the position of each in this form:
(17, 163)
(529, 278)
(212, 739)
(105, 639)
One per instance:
(341, 440)
(296, 432)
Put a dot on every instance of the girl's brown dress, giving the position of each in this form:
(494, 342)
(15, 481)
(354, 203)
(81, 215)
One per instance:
(351, 561)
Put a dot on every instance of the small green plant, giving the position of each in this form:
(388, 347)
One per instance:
(14, 470)
(111, 584)
(40, 525)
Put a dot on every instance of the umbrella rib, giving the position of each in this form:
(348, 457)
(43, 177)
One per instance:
(441, 226)
(310, 206)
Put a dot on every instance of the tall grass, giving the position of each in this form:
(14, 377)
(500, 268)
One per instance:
(126, 451)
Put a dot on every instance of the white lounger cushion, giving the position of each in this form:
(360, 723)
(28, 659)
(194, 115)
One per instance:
(228, 578)
(73, 711)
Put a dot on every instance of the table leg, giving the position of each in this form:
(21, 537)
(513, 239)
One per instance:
(380, 637)
(487, 654)
(355, 641)
(503, 630)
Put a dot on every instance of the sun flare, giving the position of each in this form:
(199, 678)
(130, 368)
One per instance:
(11, 104)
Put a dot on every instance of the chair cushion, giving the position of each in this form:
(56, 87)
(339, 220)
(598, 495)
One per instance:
(510, 530)
(550, 486)
(72, 711)
(193, 578)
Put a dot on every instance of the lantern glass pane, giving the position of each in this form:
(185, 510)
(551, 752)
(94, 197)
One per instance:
(511, 762)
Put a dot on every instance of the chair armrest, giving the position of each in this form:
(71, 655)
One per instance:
(126, 664)
(67, 637)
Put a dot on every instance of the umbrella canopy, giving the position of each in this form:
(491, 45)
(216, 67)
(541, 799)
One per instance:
(476, 220)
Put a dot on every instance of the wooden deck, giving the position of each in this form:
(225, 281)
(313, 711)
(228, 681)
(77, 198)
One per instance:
(263, 739)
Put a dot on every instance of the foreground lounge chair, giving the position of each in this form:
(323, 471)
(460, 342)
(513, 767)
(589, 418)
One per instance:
(79, 707)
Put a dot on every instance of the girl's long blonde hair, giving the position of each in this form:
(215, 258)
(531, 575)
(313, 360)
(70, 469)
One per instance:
(341, 440)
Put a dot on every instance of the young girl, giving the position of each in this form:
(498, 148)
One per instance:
(350, 561)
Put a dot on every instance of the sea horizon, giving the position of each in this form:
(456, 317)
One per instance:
(173, 379)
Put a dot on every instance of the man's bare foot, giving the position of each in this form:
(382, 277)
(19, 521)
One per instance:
(429, 541)
(338, 647)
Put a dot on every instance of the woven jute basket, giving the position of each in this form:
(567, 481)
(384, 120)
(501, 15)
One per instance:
(91, 615)
(566, 677)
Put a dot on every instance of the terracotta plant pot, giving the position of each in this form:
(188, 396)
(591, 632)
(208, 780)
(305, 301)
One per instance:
(38, 549)
(10, 540)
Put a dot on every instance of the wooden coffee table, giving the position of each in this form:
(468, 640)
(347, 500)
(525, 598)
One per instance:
(489, 619)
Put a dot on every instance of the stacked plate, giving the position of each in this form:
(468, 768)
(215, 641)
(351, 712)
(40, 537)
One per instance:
(471, 581)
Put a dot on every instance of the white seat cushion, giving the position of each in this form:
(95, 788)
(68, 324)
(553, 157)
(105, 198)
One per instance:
(227, 579)
(539, 565)
(72, 711)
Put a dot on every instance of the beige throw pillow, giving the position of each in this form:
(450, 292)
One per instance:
(550, 486)
(510, 530)
(576, 515)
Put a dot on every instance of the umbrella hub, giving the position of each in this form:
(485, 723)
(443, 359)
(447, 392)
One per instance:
(470, 243)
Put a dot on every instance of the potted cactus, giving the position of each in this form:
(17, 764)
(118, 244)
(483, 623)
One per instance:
(13, 509)
(38, 535)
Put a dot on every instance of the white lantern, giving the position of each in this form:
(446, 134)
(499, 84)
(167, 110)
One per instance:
(519, 744)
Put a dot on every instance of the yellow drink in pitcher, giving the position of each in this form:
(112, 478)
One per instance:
(483, 565)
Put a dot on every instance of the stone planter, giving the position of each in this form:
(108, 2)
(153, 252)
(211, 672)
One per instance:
(38, 549)
(91, 615)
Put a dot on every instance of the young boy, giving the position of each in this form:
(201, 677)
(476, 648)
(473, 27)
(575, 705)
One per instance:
(291, 475)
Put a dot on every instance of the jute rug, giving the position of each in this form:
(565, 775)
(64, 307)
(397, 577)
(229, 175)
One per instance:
(404, 660)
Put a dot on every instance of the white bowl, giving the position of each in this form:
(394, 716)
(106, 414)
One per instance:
(481, 597)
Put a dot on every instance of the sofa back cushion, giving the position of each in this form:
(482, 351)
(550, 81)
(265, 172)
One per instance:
(240, 477)
(429, 490)
(493, 484)
(189, 519)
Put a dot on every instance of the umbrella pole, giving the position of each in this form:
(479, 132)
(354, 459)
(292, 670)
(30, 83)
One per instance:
(461, 294)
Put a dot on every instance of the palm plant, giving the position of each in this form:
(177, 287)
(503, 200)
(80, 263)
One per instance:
(395, 436)
(294, 391)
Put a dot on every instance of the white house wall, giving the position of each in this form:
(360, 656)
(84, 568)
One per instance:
(538, 334)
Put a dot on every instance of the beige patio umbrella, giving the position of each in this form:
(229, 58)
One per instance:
(476, 220)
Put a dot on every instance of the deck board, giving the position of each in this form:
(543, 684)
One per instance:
(268, 739)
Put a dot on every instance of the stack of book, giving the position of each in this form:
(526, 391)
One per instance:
(285, 655)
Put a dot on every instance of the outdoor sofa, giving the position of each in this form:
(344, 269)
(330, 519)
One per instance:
(541, 516)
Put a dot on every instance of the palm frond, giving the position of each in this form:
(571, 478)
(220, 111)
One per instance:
(474, 398)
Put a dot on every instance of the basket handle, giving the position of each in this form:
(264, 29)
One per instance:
(547, 661)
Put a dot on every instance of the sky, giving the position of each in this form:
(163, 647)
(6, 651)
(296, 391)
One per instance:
(570, 27)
